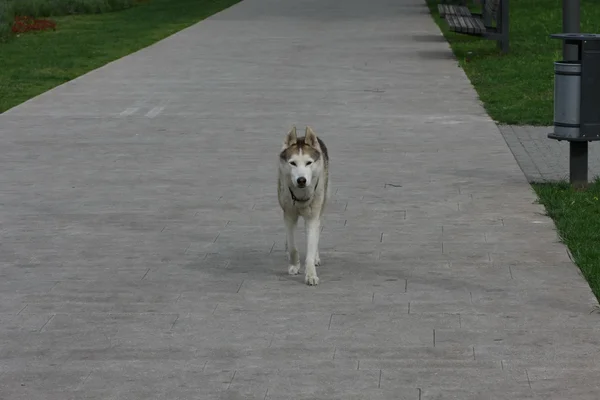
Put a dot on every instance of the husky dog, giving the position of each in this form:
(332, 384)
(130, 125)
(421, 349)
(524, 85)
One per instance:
(302, 191)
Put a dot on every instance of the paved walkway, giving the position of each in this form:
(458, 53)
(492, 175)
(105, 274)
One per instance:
(543, 159)
(142, 245)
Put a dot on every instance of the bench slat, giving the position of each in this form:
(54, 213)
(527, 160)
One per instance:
(478, 26)
(456, 24)
(462, 24)
(463, 11)
(449, 9)
(443, 9)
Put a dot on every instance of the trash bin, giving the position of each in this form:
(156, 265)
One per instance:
(577, 90)
(567, 98)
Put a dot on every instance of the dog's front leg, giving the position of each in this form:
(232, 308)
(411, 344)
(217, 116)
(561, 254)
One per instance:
(290, 225)
(313, 226)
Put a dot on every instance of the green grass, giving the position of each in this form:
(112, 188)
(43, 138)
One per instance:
(576, 214)
(36, 62)
(518, 88)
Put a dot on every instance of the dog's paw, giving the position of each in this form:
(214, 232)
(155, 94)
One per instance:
(311, 279)
(294, 269)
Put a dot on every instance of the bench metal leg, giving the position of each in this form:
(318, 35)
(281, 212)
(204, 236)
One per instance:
(503, 26)
(487, 18)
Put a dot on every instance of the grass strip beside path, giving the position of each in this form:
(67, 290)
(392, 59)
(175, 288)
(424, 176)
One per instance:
(576, 214)
(518, 88)
(36, 62)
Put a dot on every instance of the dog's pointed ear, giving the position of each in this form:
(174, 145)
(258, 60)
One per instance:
(291, 138)
(311, 138)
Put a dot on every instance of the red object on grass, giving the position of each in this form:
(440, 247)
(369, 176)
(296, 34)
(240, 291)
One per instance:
(26, 24)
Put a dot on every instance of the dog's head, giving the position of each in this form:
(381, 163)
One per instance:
(301, 158)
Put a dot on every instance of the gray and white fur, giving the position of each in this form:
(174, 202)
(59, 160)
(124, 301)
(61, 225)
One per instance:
(302, 191)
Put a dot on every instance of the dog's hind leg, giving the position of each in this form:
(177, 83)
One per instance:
(294, 259)
(313, 226)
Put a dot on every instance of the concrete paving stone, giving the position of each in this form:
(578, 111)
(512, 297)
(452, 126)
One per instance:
(408, 393)
(459, 282)
(136, 291)
(435, 256)
(352, 219)
(528, 320)
(40, 382)
(293, 349)
(470, 276)
(542, 337)
(433, 306)
(113, 324)
(560, 393)
(431, 293)
(150, 379)
(540, 227)
(501, 236)
(183, 273)
(543, 159)
(81, 271)
(236, 261)
(21, 349)
(475, 220)
(12, 304)
(528, 257)
(305, 383)
(415, 355)
(327, 342)
(413, 330)
(120, 350)
(257, 240)
(473, 230)
(554, 299)
(503, 393)
(550, 274)
(410, 250)
(451, 378)
(266, 324)
(466, 365)
(452, 247)
(276, 358)
(557, 378)
(23, 321)
(52, 305)
(501, 304)
(520, 344)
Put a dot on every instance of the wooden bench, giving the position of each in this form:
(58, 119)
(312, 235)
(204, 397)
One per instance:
(491, 24)
(452, 9)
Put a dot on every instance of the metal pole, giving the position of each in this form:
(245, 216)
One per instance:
(578, 151)
(570, 25)
(578, 163)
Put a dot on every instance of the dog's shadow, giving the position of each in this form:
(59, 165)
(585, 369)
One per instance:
(263, 265)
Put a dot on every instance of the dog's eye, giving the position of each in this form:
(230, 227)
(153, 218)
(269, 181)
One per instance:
(308, 163)
(292, 163)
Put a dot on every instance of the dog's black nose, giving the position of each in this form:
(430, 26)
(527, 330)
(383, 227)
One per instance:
(301, 181)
